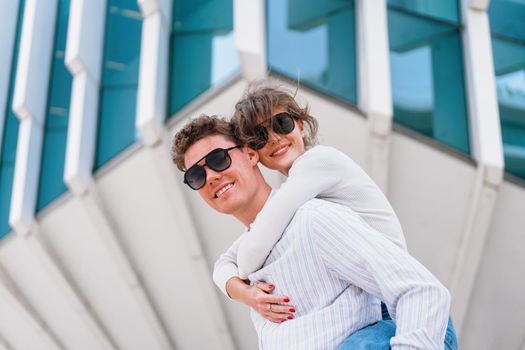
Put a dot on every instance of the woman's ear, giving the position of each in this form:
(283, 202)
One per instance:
(300, 124)
(252, 154)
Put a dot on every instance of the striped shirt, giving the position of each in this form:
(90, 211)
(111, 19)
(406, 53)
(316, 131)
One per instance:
(336, 269)
(325, 173)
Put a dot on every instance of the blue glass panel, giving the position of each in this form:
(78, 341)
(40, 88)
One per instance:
(116, 124)
(446, 10)
(202, 49)
(314, 42)
(9, 139)
(427, 78)
(51, 183)
(116, 129)
(507, 18)
(509, 62)
(507, 24)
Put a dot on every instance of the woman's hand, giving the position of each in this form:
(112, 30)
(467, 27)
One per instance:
(275, 308)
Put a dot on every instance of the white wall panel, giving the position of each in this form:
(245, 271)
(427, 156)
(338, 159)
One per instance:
(19, 323)
(339, 126)
(18, 333)
(494, 319)
(430, 193)
(151, 234)
(92, 268)
(45, 293)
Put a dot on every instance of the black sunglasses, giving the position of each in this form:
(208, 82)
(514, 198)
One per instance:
(282, 123)
(218, 160)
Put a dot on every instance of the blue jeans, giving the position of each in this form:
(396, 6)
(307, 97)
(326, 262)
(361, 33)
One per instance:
(377, 336)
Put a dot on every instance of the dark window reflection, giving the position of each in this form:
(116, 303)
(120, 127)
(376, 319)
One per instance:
(202, 48)
(427, 78)
(314, 42)
(507, 23)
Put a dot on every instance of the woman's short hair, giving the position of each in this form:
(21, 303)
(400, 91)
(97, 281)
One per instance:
(258, 105)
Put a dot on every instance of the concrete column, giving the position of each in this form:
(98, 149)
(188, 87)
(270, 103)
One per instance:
(154, 69)
(29, 105)
(374, 86)
(249, 24)
(84, 50)
(486, 148)
(8, 18)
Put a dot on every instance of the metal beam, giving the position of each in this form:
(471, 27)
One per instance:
(10, 294)
(4, 345)
(107, 233)
(72, 296)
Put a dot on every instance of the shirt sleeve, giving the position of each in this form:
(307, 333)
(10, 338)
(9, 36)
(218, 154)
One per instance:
(226, 266)
(417, 301)
(317, 171)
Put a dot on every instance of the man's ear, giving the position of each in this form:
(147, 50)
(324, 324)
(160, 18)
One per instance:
(252, 154)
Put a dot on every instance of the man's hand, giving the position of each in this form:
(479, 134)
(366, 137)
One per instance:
(275, 308)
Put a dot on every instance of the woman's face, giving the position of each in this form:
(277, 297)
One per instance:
(282, 150)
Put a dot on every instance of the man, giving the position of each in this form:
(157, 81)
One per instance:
(328, 261)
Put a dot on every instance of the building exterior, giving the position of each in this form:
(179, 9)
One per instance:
(102, 246)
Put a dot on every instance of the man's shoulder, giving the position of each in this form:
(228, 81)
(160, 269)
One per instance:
(322, 213)
(317, 207)
(313, 203)
(322, 220)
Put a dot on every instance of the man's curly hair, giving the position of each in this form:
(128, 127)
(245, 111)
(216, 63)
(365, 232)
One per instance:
(197, 129)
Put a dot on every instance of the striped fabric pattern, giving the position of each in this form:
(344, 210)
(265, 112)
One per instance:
(336, 269)
(325, 173)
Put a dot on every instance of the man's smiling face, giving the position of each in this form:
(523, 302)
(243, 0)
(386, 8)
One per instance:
(230, 190)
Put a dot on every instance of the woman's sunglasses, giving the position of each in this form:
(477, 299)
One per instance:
(282, 123)
(218, 160)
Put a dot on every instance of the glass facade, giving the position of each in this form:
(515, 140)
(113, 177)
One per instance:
(202, 49)
(120, 66)
(426, 64)
(445, 10)
(507, 24)
(10, 138)
(314, 42)
(51, 183)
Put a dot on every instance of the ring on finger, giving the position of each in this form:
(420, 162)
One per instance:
(270, 307)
